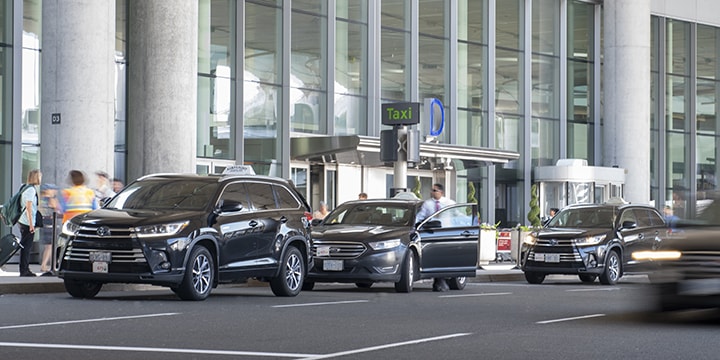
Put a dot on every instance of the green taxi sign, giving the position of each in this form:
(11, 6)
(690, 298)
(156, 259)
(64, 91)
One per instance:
(401, 113)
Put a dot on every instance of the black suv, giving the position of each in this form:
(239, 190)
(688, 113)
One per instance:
(190, 233)
(591, 241)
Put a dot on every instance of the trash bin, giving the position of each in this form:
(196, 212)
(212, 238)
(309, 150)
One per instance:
(487, 246)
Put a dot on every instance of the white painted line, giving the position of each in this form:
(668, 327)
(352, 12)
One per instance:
(85, 321)
(153, 350)
(598, 289)
(570, 319)
(322, 303)
(469, 295)
(386, 346)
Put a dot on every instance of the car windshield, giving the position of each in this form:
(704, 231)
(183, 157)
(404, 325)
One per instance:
(165, 194)
(589, 217)
(376, 214)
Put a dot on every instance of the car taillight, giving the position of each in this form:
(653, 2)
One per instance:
(308, 216)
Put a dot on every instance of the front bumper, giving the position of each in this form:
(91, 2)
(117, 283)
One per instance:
(374, 267)
(566, 260)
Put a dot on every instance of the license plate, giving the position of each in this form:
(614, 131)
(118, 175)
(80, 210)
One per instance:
(103, 256)
(699, 287)
(333, 265)
(552, 258)
(323, 251)
(100, 267)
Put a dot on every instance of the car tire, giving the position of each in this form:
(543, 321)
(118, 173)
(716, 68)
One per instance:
(407, 274)
(82, 289)
(308, 285)
(292, 274)
(364, 285)
(457, 283)
(611, 274)
(534, 277)
(587, 278)
(199, 276)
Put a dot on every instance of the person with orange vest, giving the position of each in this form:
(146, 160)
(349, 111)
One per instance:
(77, 199)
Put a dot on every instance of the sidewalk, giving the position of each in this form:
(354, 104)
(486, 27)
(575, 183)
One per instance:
(12, 283)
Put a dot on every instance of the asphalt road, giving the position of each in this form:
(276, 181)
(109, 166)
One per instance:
(561, 319)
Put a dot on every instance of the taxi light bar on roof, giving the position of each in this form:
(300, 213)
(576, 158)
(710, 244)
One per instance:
(239, 170)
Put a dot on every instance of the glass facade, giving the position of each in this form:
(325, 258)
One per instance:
(514, 74)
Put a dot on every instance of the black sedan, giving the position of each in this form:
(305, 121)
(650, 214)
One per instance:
(687, 262)
(370, 241)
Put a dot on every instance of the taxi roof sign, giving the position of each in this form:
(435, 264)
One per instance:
(239, 170)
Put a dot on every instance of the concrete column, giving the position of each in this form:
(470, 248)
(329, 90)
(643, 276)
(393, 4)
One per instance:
(162, 86)
(78, 77)
(626, 91)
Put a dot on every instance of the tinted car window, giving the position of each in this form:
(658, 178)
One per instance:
(456, 216)
(583, 218)
(261, 195)
(643, 217)
(371, 214)
(285, 198)
(628, 215)
(163, 194)
(236, 192)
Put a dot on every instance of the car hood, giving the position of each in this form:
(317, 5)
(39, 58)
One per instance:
(569, 233)
(361, 233)
(115, 217)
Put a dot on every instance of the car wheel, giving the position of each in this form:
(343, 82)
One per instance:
(82, 289)
(534, 277)
(457, 283)
(292, 274)
(407, 275)
(587, 278)
(364, 285)
(308, 285)
(199, 276)
(612, 269)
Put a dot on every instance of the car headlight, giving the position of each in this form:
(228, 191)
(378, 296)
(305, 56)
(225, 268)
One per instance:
(530, 239)
(159, 230)
(385, 244)
(590, 240)
(69, 228)
(656, 255)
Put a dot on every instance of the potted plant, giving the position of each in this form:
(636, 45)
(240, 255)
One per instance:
(487, 246)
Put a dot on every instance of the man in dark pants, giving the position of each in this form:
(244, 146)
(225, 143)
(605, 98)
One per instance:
(436, 202)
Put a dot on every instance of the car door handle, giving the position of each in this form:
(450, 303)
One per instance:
(253, 223)
(468, 233)
(641, 236)
(283, 219)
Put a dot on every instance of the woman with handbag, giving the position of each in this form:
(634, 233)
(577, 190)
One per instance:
(28, 220)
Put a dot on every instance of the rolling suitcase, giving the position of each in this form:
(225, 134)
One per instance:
(9, 244)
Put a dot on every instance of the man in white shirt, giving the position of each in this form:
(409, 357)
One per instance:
(430, 206)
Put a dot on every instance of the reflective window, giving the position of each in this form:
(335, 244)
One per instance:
(285, 198)
(580, 81)
(236, 193)
(351, 68)
(395, 50)
(308, 66)
(261, 195)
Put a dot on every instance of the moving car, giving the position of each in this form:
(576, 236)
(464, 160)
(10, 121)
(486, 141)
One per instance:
(686, 264)
(368, 241)
(592, 241)
(191, 233)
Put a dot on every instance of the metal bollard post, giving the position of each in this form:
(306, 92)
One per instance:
(53, 255)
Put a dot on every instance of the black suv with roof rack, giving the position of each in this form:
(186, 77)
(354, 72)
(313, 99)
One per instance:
(591, 241)
(191, 233)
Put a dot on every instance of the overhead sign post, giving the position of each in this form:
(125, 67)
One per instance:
(399, 116)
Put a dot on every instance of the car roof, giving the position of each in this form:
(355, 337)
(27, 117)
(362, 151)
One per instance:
(211, 177)
(383, 201)
(609, 206)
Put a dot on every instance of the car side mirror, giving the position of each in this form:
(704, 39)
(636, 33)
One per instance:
(628, 225)
(230, 206)
(432, 224)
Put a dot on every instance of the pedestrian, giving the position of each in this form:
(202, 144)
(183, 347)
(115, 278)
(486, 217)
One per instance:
(551, 214)
(78, 198)
(670, 217)
(103, 190)
(27, 221)
(49, 207)
(430, 206)
(322, 212)
(117, 185)
(362, 196)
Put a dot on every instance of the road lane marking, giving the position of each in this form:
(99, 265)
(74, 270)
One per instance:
(598, 289)
(153, 350)
(85, 321)
(322, 303)
(468, 295)
(570, 319)
(386, 346)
